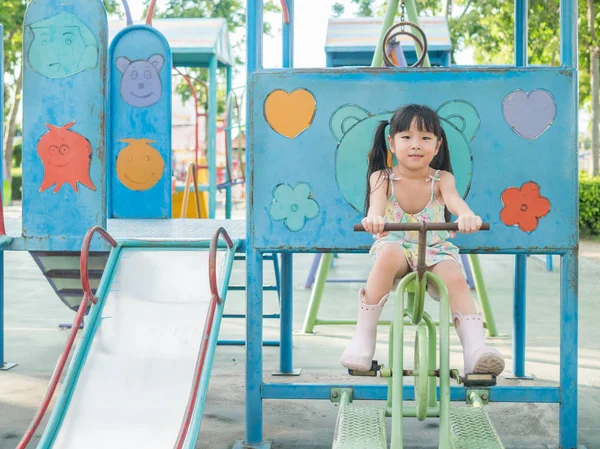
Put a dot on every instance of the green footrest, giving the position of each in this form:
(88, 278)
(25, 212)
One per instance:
(471, 428)
(360, 428)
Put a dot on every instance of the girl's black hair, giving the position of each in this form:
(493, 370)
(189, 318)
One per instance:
(426, 119)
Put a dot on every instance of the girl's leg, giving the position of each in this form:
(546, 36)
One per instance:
(478, 358)
(389, 264)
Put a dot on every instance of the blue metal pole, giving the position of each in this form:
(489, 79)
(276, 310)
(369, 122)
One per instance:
(1, 298)
(1, 197)
(569, 280)
(212, 137)
(519, 317)
(254, 356)
(254, 269)
(287, 285)
(521, 38)
(3, 364)
(568, 33)
(519, 321)
(286, 323)
(568, 349)
(229, 149)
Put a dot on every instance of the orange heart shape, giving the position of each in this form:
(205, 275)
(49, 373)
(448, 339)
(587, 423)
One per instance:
(290, 114)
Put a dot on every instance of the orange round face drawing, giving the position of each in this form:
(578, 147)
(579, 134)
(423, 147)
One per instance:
(139, 166)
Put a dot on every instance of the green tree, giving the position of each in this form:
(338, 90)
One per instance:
(488, 27)
(12, 14)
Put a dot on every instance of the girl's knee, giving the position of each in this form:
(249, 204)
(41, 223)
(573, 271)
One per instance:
(453, 278)
(390, 257)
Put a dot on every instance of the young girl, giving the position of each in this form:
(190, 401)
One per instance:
(418, 189)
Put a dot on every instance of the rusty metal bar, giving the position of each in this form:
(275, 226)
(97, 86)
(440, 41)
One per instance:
(418, 227)
(87, 298)
(83, 260)
(215, 299)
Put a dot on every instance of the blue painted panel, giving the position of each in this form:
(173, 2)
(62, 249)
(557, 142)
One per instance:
(64, 113)
(513, 139)
(140, 124)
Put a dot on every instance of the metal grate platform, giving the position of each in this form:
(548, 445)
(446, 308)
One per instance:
(471, 428)
(360, 428)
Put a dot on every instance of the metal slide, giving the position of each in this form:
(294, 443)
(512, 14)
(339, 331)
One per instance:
(140, 374)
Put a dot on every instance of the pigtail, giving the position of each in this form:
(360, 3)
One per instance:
(441, 161)
(378, 159)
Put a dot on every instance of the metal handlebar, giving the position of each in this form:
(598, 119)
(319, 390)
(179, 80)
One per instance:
(420, 226)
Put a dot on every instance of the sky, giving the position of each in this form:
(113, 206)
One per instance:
(309, 34)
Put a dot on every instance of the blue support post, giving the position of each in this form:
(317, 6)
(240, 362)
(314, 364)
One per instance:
(212, 137)
(521, 36)
(1, 202)
(254, 360)
(229, 152)
(520, 316)
(519, 322)
(569, 281)
(286, 323)
(568, 350)
(254, 269)
(287, 284)
(568, 34)
(3, 365)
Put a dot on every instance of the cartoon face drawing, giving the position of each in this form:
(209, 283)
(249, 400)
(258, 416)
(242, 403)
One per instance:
(353, 128)
(66, 156)
(61, 46)
(140, 85)
(139, 166)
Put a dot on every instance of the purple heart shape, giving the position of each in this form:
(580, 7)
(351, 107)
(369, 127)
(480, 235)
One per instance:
(529, 114)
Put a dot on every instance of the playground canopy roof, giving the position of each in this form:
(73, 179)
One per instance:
(352, 41)
(192, 41)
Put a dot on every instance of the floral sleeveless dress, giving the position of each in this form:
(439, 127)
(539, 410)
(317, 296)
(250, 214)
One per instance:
(438, 248)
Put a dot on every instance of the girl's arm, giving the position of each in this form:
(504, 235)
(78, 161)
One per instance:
(467, 221)
(374, 221)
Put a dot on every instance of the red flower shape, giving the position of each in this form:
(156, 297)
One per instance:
(524, 206)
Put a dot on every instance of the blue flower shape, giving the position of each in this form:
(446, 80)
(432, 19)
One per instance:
(293, 205)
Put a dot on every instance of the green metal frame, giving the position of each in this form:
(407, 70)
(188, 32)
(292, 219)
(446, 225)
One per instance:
(460, 427)
(311, 318)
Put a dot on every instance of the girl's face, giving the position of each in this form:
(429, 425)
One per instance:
(414, 149)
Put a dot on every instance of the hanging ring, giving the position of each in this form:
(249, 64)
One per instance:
(393, 33)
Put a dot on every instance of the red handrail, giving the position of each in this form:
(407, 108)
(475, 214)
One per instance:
(214, 300)
(85, 252)
(150, 13)
(2, 228)
(87, 297)
(286, 12)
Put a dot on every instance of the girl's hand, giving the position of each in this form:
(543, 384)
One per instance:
(374, 225)
(468, 223)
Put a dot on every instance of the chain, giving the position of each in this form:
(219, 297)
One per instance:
(402, 11)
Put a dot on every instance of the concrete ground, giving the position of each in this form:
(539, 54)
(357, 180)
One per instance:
(33, 312)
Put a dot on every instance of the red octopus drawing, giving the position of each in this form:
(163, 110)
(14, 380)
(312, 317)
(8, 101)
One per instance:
(66, 156)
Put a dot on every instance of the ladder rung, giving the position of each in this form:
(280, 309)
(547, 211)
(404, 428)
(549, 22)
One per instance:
(243, 288)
